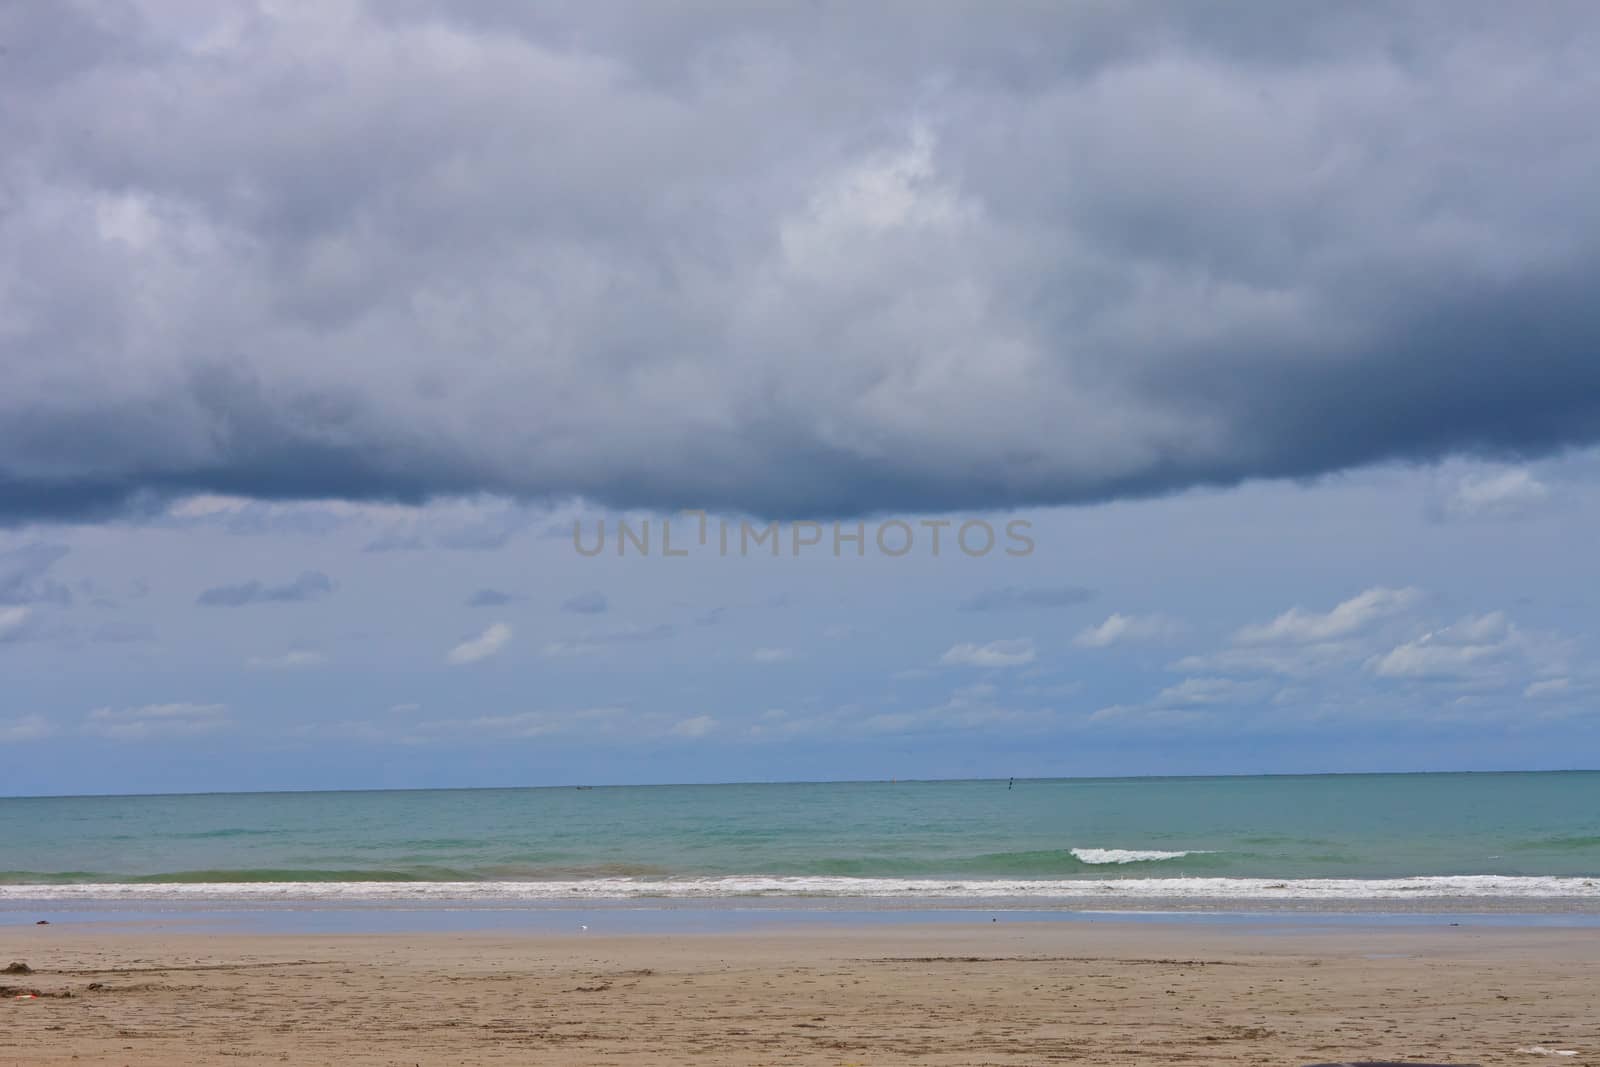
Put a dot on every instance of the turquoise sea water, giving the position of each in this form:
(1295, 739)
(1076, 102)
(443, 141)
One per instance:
(1311, 839)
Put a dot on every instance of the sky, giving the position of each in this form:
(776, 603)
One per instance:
(1243, 359)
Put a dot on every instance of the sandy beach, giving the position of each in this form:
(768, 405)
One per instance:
(985, 993)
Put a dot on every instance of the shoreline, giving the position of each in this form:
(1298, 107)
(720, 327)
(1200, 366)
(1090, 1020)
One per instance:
(1105, 992)
(755, 917)
(1540, 892)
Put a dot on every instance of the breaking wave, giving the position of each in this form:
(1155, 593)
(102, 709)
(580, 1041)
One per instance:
(1098, 856)
(1083, 891)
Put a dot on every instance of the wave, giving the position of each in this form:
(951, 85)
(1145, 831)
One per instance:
(1085, 890)
(1036, 865)
(233, 876)
(1561, 844)
(272, 874)
(1098, 856)
(50, 877)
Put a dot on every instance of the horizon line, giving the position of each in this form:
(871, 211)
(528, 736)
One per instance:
(782, 782)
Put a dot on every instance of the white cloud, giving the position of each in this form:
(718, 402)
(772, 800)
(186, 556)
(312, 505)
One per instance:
(1188, 703)
(1014, 653)
(1475, 646)
(12, 618)
(614, 723)
(25, 728)
(1291, 661)
(1297, 625)
(1119, 628)
(486, 644)
(1206, 690)
(1504, 493)
(1347, 647)
(972, 707)
(772, 655)
(1301, 643)
(698, 726)
(1150, 715)
(1549, 687)
(587, 722)
(156, 720)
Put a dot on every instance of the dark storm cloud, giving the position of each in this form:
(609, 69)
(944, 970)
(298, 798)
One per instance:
(787, 260)
(1012, 596)
(309, 586)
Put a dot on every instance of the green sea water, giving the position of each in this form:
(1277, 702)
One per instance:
(1534, 835)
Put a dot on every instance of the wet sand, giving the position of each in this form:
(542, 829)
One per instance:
(1005, 993)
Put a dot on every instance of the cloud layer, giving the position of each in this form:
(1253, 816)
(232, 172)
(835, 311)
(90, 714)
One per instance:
(723, 258)
(1012, 653)
(481, 647)
(308, 586)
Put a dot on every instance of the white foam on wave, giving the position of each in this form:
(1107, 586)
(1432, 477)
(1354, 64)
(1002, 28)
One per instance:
(1330, 890)
(1129, 855)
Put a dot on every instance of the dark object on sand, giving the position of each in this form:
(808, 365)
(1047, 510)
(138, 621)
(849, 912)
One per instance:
(18, 968)
(42, 922)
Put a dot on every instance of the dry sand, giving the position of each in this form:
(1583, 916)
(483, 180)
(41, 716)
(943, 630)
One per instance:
(1006, 993)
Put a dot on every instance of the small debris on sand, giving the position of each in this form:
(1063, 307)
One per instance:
(18, 968)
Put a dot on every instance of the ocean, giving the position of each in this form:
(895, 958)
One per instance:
(1391, 842)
